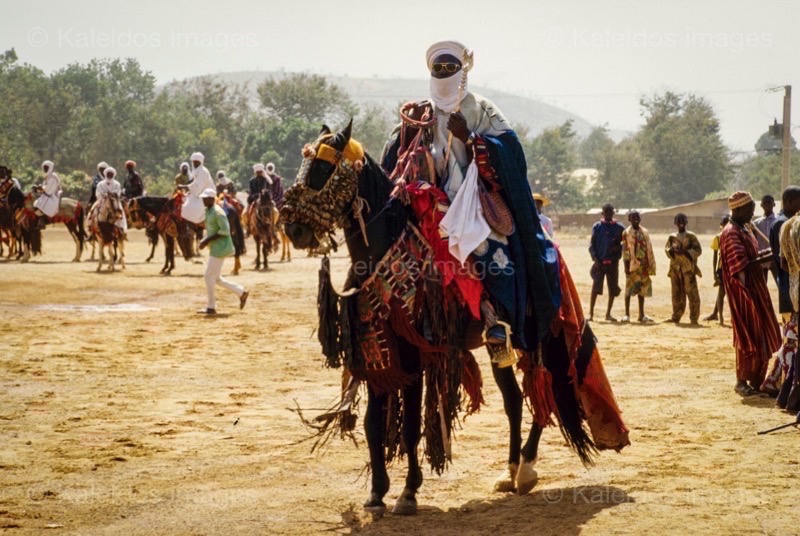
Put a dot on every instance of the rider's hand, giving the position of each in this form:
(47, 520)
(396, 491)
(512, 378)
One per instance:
(457, 124)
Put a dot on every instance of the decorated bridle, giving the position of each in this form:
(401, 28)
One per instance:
(325, 210)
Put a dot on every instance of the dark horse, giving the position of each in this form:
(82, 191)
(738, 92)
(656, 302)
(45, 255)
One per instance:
(568, 376)
(26, 234)
(385, 228)
(163, 213)
(262, 222)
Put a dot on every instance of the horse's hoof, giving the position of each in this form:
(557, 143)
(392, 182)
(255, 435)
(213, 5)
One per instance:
(376, 507)
(527, 477)
(406, 505)
(505, 481)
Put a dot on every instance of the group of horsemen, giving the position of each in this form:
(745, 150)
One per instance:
(108, 196)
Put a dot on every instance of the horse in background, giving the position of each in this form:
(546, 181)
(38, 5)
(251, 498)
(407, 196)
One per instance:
(70, 212)
(163, 215)
(262, 223)
(25, 238)
(107, 233)
(234, 210)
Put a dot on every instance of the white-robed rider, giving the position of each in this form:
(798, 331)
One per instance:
(193, 209)
(109, 186)
(50, 198)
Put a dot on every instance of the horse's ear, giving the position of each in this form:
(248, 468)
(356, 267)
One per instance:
(325, 130)
(348, 130)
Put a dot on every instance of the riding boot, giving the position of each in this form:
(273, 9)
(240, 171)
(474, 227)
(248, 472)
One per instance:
(793, 402)
(783, 395)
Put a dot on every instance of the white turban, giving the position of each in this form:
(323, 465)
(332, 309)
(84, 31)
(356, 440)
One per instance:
(258, 167)
(198, 156)
(444, 91)
(184, 164)
(223, 179)
(49, 164)
(270, 168)
(101, 165)
(454, 48)
(108, 170)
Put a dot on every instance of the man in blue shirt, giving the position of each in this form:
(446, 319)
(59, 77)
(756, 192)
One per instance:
(606, 251)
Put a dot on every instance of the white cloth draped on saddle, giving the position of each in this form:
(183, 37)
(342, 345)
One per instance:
(193, 209)
(483, 119)
(50, 198)
(464, 223)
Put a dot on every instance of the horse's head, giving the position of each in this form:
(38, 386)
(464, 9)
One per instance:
(137, 218)
(325, 189)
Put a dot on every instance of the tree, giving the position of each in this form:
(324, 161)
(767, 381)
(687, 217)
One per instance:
(308, 97)
(761, 174)
(626, 176)
(592, 149)
(551, 157)
(681, 138)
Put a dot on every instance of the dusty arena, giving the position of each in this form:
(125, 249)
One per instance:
(124, 412)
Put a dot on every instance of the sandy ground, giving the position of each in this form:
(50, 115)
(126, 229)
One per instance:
(118, 404)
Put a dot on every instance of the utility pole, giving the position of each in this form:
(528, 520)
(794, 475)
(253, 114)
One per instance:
(787, 136)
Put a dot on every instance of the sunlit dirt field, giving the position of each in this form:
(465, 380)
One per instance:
(118, 404)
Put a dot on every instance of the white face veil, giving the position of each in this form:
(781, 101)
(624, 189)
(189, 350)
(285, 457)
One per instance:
(444, 91)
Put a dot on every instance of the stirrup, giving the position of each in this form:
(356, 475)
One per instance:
(503, 355)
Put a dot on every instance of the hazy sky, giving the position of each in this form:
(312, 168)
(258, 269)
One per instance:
(594, 58)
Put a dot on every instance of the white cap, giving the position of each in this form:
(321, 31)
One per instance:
(209, 192)
(258, 167)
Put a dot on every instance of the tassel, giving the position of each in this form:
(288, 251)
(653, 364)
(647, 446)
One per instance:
(472, 382)
(328, 309)
(540, 395)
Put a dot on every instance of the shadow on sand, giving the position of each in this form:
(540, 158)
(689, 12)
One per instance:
(557, 511)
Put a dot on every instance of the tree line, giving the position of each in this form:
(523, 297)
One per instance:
(112, 110)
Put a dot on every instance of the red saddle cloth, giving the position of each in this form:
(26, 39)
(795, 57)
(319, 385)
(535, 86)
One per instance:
(429, 205)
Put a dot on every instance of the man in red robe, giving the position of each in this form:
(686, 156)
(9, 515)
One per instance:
(756, 334)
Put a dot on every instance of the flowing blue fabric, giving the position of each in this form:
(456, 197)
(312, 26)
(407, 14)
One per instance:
(534, 257)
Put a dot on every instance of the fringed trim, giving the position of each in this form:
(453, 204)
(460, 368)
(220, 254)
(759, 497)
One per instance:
(472, 382)
(328, 309)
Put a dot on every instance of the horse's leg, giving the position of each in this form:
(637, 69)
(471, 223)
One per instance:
(406, 503)
(102, 254)
(258, 255)
(169, 255)
(266, 253)
(73, 232)
(122, 251)
(375, 426)
(512, 403)
(527, 477)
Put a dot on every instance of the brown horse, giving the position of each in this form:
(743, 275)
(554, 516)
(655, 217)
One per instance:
(70, 213)
(262, 223)
(162, 213)
(107, 233)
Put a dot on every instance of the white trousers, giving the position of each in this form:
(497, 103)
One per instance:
(214, 276)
